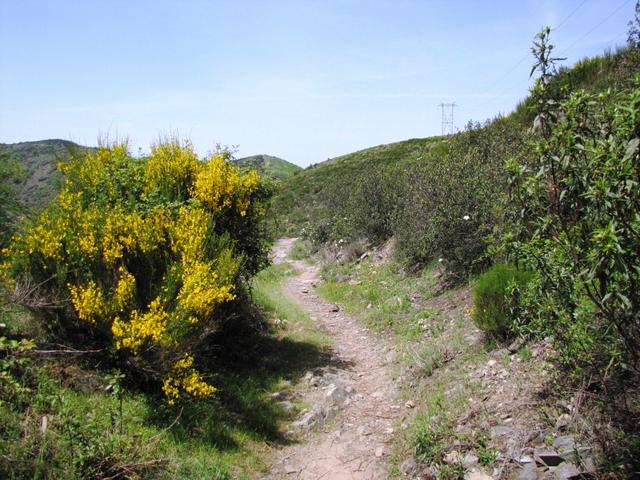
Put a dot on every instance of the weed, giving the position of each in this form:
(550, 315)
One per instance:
(525, 354)
(301, 250)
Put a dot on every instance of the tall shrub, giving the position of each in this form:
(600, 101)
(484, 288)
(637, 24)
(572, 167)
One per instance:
(578, 225)
(449, 207)
(139, 255)
(494, 298)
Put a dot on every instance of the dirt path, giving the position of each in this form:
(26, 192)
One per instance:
(355, 444)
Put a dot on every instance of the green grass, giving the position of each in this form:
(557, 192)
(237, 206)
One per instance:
(386, 288)
(230, 435)
(429, 328)
(268, 296)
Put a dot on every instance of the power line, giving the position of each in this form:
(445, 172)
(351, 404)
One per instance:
(528, 55)
(570, 15)
(623, 4)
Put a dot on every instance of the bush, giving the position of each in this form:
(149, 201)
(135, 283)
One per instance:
(494, 299)
(365, 204)
(578, 224)
(141, 256)
(450, 207)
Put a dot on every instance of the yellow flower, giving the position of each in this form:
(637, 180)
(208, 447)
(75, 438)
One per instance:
(189, 233)
(88, 302)
(200, 292)
(184, 378)
(125, 289)
(141, 327)
(171, 168)
(220, 184)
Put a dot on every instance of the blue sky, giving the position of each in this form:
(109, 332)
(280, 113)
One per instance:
(303, 80)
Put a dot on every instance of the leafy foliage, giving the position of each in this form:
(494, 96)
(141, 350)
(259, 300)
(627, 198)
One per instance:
(305, 202)
(363, 208)
(142, 254)
(494, 300)
(449, 208)
(578, 223)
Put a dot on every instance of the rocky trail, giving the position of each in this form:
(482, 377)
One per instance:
(346, 432)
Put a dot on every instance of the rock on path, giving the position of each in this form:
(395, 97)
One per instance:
(356, 443)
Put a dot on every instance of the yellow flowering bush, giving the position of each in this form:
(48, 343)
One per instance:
(185, 379)
(218, 186)
(200, 291)
(88, 302)
(141, 328)
(171, 169)
(189, 233)
(143, 252)
(125, 289)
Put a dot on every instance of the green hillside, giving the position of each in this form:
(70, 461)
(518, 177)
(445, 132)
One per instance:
(303, 200)
(268, 165)
(41, 176)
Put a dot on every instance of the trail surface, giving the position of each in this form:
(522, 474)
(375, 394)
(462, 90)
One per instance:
(356, 443)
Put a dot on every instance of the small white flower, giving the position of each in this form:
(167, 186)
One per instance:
(466, 217)
(441, 260)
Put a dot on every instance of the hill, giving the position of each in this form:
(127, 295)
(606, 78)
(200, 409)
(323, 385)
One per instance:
(41, 177)
(303, 200)
(268, 165)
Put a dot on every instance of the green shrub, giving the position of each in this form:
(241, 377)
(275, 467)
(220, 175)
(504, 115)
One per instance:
(143, 256)
(450, 207)
(364, 205)
(577, 224)
(493, 298)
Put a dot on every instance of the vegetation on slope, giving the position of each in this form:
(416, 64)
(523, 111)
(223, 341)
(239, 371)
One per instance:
(552, 192)
(303, 203)
(370, 193)
(40, 179)
(269, 166)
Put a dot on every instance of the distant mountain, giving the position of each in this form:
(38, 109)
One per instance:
(268, 165)
(41, 179)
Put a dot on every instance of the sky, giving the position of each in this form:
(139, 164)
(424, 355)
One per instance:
(304, 80)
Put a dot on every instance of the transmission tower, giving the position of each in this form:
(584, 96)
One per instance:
(447, 117)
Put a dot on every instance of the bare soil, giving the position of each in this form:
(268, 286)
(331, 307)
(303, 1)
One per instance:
(356, 443)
